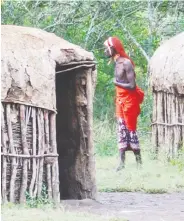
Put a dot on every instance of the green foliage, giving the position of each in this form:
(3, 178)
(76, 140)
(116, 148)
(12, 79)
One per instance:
(136, 189)
(179, 161)
(105, 138)
(39, 202)
(141, 25)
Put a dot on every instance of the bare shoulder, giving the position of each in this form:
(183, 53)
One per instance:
(120, 63)
(124, 61)
(120, 60)
(124, 64)
(128, 63)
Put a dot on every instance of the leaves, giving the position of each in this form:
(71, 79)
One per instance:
(141, 25)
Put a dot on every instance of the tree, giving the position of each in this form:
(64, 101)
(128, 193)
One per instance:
(141, 25)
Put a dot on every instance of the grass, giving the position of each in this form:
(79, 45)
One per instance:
(12, 212)
(156, 176)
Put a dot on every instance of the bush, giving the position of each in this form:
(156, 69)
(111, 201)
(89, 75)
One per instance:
(34, 202)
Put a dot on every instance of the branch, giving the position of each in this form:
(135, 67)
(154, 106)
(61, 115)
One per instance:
(79, 66)
(58, 23)
(90, 28)
(99, 36)
(29, 156)
(29, 12)
(132, 38)
(102, 33)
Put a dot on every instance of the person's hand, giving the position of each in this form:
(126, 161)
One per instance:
(114, 81)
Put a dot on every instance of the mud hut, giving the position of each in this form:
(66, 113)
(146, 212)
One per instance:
(167, 82)
(47, 88)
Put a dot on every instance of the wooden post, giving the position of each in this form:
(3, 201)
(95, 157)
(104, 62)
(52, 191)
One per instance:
(4, 162)
(160, 119)
(49, 182)
(12, 150)
(154, 126)
(170, 130)
(91, 163)
(34, 168)
(26, 152)
(166, 119)
(40, 150)
(55, 169)
(37, 160)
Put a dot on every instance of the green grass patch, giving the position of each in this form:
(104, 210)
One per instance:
(12, 212)
(105, 138)
(155, 176)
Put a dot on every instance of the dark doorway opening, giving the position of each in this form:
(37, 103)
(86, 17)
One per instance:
(68, 134)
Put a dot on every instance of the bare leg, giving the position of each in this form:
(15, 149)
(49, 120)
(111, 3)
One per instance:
(122, 142)
(122, 160)
(134, 143)
(138, 158)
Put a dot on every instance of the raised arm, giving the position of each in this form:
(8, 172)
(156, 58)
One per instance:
(130, 74)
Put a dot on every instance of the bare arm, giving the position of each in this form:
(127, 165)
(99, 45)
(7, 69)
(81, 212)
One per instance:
(130, 77)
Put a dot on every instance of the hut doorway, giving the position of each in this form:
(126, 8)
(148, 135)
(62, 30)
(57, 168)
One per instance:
(67, 134)
(75, 177)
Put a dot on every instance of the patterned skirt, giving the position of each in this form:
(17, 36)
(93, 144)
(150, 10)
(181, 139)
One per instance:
(127, 139)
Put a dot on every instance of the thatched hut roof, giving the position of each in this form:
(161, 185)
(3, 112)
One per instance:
(29, 58)
(167, 66)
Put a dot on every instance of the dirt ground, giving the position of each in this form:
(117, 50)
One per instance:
(133, 206)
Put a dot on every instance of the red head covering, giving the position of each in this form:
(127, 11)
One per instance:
(118, 46)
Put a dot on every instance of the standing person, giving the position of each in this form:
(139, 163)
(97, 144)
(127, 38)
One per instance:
(128, 99)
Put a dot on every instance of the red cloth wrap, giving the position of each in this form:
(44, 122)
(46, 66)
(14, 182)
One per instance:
(128, 105)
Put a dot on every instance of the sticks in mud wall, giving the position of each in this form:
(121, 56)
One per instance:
(168, 123)
(26, 152)
(11, 150)
(4, 162)
(20, 153)
(34, 169)
(47, 147)
(55, 168)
